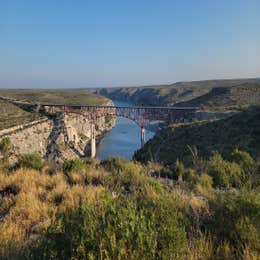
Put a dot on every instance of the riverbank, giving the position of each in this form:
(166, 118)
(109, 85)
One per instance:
(208, 95)
(55, 137)
(183, 142)
(123, 140)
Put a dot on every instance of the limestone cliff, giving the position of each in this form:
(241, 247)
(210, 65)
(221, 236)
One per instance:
(61, 137)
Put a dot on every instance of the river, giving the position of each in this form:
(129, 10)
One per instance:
(123, 140)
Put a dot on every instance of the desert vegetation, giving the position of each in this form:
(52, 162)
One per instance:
(241, 131)
(54, 96)
(192, 193)
(11, 115)
(214, 95)
(114, 209)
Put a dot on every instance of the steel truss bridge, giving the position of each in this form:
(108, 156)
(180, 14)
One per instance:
(140, 115)
(143, 116)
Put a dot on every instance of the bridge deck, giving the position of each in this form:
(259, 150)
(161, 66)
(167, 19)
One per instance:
(130, 107)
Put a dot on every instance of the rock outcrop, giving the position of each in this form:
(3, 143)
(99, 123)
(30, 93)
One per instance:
(64, 136)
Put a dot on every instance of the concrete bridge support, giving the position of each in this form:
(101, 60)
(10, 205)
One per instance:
(142, 136)
(137, 114)
(93, 141)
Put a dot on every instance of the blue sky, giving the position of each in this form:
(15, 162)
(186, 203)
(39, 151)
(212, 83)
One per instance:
(81, 43)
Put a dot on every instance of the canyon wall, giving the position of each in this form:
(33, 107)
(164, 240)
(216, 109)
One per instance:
(61, 137)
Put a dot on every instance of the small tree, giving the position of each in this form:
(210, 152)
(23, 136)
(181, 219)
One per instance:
(246, 162)
(235, 219)
(225, 174)
(6, 147)
(205, 180)
(31, 161)
(74, 165)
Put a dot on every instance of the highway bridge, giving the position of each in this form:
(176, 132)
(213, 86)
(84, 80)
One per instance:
(141, 115)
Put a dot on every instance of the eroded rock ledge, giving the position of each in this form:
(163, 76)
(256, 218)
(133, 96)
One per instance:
(64, 136)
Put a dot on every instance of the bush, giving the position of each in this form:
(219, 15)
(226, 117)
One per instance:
(125, 176)
(225, 174)
(205, 181)
(246, 163)
(114, 164)
(6, 147)
(116, 230)
(235, 219)
(74, 165)
(190, 177)
(31, 161)
(244, 160)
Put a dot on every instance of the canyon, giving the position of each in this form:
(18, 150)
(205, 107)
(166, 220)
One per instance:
(56, 138)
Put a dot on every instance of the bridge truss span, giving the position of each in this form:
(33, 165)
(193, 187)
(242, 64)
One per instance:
(141, 115)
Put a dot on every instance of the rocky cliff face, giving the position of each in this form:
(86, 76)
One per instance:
(207, 94)
(70, 136)
(57, 139)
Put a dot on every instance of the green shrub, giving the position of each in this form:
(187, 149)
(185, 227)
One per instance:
(74, 165)
(31, 161)
(6, 147)
(5, 166)
(108, 119)
(114, 164)
(190, 177)
(116, 230)
(235, 219)
(246, 163)
(205, 180)
(125, 176)
(244, 159)
(225, 174)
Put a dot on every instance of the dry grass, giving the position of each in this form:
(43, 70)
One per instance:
(11, 115)
(26, 208)
(30, 198)
(200, 248)
(251, 255)
(204, 248)
(87, 176)
(62, 96)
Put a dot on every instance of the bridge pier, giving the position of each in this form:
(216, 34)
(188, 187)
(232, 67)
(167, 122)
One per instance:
(93, 141)
(140, 115)
(142, 136)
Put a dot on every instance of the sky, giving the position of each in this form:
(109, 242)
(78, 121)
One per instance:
(82, 43)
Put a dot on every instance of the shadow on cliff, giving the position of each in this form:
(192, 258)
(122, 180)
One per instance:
(53, 151)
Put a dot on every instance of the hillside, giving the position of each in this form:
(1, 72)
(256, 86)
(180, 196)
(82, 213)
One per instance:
(202, 93)
(12, 115)
(65, 96)
(114, 209)
(225, 98)
(240, 131)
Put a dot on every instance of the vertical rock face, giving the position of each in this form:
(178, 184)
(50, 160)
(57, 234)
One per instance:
(66, 136)
(70, 136)
(31, 139)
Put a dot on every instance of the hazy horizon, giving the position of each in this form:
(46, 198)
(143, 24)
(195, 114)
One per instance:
(128, 86)
(87, 44)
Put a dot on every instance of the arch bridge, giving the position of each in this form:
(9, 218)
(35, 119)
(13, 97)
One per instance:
(143, 116)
